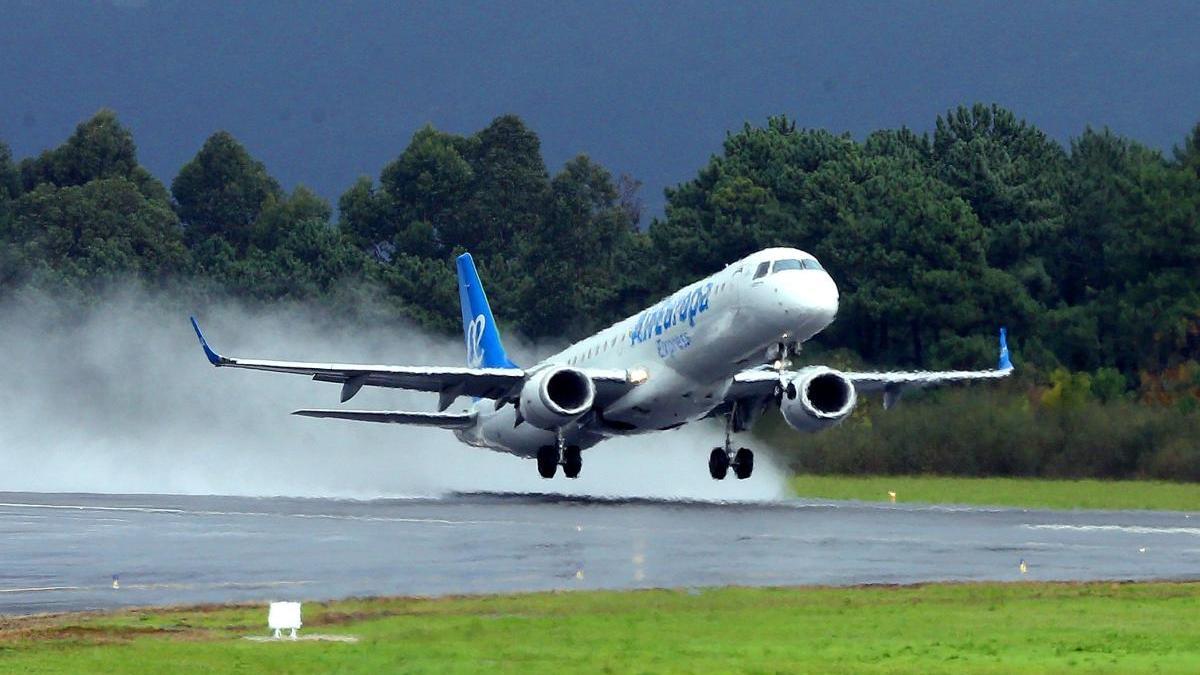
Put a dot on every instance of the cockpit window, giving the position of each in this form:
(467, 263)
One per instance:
(762, 270)
(794, 264)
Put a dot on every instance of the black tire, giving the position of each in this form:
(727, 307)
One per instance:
(572, 461)
(547, 460)
(743, 464)
(718, 464)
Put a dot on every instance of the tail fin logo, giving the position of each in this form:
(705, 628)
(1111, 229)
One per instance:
(475, 350)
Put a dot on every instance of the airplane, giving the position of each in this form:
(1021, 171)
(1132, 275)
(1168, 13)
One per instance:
(720, 347)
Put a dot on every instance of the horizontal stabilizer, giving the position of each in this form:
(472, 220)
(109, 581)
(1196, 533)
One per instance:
(440, 420)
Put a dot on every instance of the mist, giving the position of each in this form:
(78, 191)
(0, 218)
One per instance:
(118, 398)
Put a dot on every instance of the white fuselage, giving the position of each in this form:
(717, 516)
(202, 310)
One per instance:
(688, 345)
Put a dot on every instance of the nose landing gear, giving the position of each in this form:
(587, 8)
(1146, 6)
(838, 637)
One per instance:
(779, 354)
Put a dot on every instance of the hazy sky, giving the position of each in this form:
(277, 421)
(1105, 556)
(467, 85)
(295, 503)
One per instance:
(324, 92)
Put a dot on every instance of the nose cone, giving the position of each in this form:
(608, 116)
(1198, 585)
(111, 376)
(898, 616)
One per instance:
(808, 298)
(820, 299)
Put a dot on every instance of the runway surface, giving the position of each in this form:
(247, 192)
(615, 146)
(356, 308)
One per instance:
(60, 551)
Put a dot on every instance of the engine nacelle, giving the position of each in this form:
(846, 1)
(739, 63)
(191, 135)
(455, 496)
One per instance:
(817, 398)
(554, 397)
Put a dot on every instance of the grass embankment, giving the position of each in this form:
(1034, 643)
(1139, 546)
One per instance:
(1025, 627)
(1019, 492)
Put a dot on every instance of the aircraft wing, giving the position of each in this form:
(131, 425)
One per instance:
(872, 382)
(892, 383)
(449, 382)
(440, 420)
(761, 382)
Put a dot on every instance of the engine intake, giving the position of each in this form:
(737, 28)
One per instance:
(817, 398)
(554, 397)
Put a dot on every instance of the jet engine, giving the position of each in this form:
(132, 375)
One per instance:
(554, 397)
(817, 398)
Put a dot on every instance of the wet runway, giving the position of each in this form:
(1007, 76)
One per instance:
(60, 551)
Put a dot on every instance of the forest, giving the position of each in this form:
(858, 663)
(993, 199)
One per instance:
(1088, 252)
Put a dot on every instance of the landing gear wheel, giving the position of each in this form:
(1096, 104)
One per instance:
(547, 460)
(743, 463)
(718, 464)
(572, 461)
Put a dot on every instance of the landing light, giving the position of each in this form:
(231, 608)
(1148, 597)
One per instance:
(637, 375)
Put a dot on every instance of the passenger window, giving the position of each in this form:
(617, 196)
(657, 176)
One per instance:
(781, 265)
(762, 270)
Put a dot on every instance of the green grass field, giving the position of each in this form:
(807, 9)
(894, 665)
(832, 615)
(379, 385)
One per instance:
(1025, 627)
(1021, 492)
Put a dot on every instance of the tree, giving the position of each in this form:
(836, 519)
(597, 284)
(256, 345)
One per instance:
(1187, 156)
(10, 178)
(103, 230)
(11, 265)
(510, 188)
(431, 183)
(909, 256)
(760, 192)
(1127, 259)
(1012, 175)
(579, 257)
(100, 148)
(366, 216)
(280, 214)
(488, 193)
(222, 190)
(309, 258)
(427, 292)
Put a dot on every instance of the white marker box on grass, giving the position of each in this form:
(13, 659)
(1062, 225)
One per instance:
(284, 616)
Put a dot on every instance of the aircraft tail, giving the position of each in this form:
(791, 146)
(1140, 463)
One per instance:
(484, 349)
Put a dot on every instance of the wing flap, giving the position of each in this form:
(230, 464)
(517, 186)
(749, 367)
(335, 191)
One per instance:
(440, 420)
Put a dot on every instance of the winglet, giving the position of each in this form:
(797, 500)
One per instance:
(1005, 361)
(213, 357)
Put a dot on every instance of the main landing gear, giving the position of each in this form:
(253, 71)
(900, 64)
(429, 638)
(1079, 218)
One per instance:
(550, 457)
(721, 459)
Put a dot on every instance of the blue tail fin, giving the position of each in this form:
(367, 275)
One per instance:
(479, 328)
